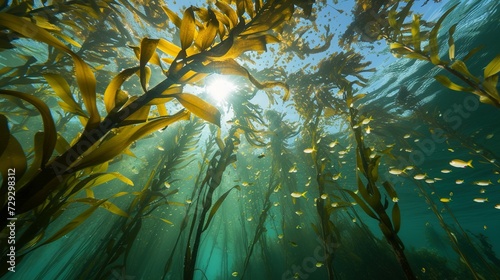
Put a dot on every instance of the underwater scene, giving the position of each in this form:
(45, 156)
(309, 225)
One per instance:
(250, 139)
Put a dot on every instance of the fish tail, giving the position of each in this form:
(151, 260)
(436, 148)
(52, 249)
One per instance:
(304, 194)
(469, 163)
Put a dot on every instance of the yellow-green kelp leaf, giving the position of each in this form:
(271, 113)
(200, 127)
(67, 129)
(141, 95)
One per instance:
(50, 135)
(37, 158)
(167, 221)
(111, 91)
(148, 48)
(61, 144)
(199, 107)
(415, 32)
(62, 90)
(228, 11)
(490, 86)
(168, 48)
(433, 40)
(207, 35)
(217, 205)
(173, 16)
(188, 28)
(451, 42)
(77, 221)
(114, 146)
(362, 204)
(11, 154)
(231, 67)
(114, 209)
(449, 84)
(460, 66)
(390, 190)
(84, 75)
(472, 52)
(493, 67)
(4, 129)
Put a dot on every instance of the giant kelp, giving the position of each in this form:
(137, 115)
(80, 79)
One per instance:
(128, 117)
(310, 183)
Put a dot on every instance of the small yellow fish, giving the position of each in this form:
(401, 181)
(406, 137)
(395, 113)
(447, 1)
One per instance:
(395, 171)
(480, 199)
(451, 150)
(497, 206)
(299, 212)
(293, 169)
(336, 177)
(429, 181)
(459, 181)
(235, 274)
(460, 163)
(299, 194)
(160, 148)
(483, 183)
(319, 264)
(419, 176)
(446, 171)
(489, 136)
(407, 136)
(445, 199)
(333, 143)
(309, 150)
(367, 120)
(167, 185)
(368, 130)
(324, 196)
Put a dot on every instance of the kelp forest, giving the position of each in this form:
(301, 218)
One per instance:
(249, 139)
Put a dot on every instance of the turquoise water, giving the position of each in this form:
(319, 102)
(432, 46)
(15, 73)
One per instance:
(265, 222)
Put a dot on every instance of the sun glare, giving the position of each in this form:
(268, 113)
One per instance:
(220, 87)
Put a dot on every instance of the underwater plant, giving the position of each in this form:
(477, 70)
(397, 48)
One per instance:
(406, 40)
(210, 41)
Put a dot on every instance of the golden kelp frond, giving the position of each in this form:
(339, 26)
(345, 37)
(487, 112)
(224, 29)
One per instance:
(50, 135)
(11, 155)
(84, 75)
(198, 29)
(124, 137)
(408, 45)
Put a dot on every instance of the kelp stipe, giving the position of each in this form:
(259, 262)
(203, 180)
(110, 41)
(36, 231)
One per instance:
(371, 201)
(279, 132)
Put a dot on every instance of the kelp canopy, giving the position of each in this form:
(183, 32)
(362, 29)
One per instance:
(335, 152)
